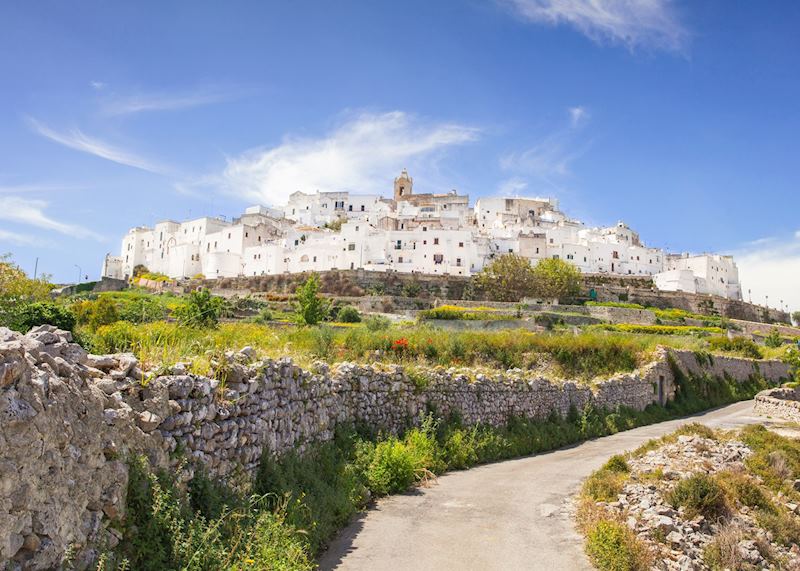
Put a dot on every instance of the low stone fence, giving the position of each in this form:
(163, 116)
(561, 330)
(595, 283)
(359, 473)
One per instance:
(70, 420)
(783, 403)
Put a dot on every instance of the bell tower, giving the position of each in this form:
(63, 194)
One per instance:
(403, 185)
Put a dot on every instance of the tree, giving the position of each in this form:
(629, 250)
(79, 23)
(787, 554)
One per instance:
(773, 339)
(556, 279)
(17, 290)
(506, 278)
(201, 309)
(311, 308)
(796, 317)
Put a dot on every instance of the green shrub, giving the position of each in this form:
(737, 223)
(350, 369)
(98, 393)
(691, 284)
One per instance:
(141, 309)
(96, 313)
(614, 547)
(605, 485)
(773, 339)
(784, 526)
(377, 323)
(617, 463)
(391, 467)
(699, 494)
(263, 317)
(201, 309)
(740, 345)
(744, 489)
(310, 307)
(411, 289)
(322, 338)
(348, 314)
(29, 315)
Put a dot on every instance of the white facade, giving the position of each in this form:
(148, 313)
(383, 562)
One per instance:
(421, 233)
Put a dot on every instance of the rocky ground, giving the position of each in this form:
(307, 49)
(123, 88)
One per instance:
(680, 542)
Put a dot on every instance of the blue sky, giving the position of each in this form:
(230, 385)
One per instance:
(679, 117)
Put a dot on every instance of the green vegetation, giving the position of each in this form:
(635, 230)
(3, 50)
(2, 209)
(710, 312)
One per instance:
(657, 329)
(300, 501)
(511, 277)
(30, 315)
(699, 494)
(201, 309)
(311, 307)
(17, 290)
(741, 346)
(377, 323)
(774, 339)
(570, 356)
(612, 546)
(619, 304)
(348, 314)
(454, 312)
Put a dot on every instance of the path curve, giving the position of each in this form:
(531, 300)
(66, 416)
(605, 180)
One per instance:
(507, 515)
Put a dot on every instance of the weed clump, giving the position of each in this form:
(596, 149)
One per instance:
(614, 547)
(699, 494)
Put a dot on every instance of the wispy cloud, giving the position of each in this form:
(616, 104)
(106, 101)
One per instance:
(31, 213)
(98, 85)
(634, 23)
(550, 157)
(578, 115)
(771, 267)
(511, 186)
(19, 239)
(30, 188)
(361, 154)
(77, 140)
(170, 101)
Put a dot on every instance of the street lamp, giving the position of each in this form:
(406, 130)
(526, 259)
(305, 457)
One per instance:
(79, 272)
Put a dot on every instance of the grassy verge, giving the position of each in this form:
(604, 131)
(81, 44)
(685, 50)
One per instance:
(295, 504)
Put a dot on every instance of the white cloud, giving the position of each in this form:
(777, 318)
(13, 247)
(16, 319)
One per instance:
(511, 186)
(26, 188)
(98, 85)
(75, 139)
(361, 154)
(19, 239)
(550, 158)
(31, 212)
(169, 101)
(771, 267)
(578, 115)
(633, 23)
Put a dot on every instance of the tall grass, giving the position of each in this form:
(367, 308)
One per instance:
(581, 356)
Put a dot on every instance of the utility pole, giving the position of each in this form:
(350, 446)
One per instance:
(79, 272)
(36, 267)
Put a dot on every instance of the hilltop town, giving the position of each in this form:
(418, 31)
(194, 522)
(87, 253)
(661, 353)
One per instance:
(423, 233)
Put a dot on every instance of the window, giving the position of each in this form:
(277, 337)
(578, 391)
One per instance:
(398, 245)
(229, 235)
(570, 257)
(551, 240)
(362, 208)
(555, 256)
(315, 258)
(461, 244)
(349, 207)
(537, 250)
(424, 242)
(615, 255)
(296, 242)
(438, 258)
(246, 234)
(511, 250)
(436, 241)
(351, 247)
(458, 262)
(400, 259)
(424, 228)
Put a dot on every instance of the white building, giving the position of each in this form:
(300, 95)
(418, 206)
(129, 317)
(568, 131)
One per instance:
(421, 233)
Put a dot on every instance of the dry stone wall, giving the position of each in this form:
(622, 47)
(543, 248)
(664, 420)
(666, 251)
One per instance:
(69, 421)
(783, 403)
